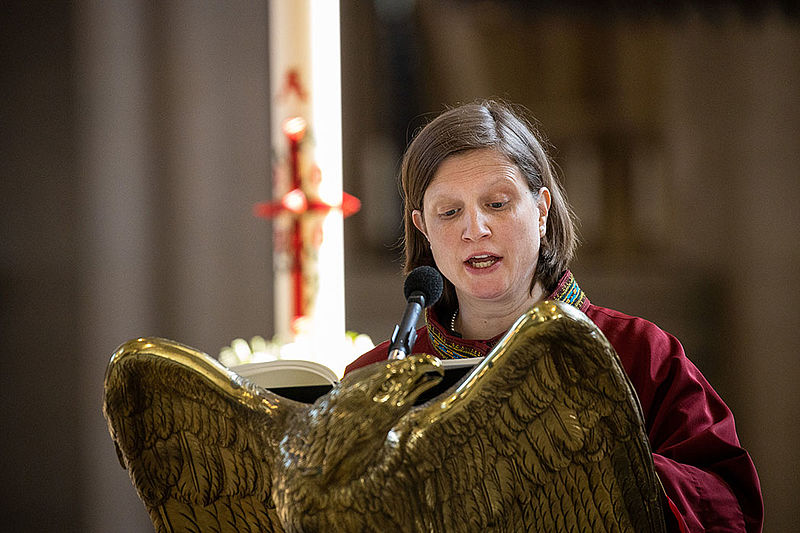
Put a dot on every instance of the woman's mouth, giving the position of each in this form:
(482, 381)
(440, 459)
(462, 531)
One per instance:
(482, 261)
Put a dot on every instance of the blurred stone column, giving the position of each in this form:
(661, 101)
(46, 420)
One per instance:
(174, 114)
(118, 300)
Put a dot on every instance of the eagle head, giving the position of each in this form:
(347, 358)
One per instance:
(392, 386)
(344, 431)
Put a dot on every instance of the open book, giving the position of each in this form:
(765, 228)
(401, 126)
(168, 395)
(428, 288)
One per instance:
(305, 381)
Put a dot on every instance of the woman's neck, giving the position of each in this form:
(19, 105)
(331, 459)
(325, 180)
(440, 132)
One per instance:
(484, 319)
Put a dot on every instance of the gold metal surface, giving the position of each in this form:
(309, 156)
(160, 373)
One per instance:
(545, 435)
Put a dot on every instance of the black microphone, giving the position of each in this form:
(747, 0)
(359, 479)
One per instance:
(423, 288)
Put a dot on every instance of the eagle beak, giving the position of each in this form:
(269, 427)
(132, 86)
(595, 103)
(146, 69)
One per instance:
(429, 372)
(406, 379)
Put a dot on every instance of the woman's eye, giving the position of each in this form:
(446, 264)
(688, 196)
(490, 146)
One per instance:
(447, 214)
(496, 205)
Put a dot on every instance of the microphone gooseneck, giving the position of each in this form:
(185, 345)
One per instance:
(422, 288)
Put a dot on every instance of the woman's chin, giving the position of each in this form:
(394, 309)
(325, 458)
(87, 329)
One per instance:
(485, 292)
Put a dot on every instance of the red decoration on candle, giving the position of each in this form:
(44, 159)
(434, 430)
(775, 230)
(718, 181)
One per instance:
(350, 205)
(293, 84)
(295, 128)
(291, 203)
(296, 203)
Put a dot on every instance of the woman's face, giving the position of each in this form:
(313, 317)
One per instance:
(484, 226)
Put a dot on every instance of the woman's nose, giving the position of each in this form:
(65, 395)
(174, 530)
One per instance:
(477, 226)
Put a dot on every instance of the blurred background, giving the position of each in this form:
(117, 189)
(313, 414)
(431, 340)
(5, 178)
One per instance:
(135, 143)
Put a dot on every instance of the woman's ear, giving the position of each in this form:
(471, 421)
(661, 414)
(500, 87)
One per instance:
(419, 221)
(543, 203)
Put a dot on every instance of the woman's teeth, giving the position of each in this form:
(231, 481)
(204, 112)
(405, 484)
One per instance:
(482, 261)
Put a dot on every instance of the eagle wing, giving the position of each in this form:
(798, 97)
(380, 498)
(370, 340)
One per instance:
(546, 434)
(197, 440)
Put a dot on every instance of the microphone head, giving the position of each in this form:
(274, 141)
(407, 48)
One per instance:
(426, 280)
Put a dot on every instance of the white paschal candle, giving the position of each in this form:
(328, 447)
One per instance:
(305, 82)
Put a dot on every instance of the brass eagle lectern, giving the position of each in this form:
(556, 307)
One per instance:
(546, 434)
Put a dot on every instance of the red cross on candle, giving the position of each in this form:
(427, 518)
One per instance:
(298, 203)
(293, 84)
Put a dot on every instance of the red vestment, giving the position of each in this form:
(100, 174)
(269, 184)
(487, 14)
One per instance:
(709, 479)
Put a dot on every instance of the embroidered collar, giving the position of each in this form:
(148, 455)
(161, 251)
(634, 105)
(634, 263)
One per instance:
(449, 346)
(568, 291)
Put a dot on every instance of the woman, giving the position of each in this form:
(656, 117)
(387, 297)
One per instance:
(483, 205)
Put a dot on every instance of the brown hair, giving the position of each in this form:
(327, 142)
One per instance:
(486, 124)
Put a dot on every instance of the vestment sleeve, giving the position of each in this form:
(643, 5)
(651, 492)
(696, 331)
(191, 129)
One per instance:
(709, 478)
